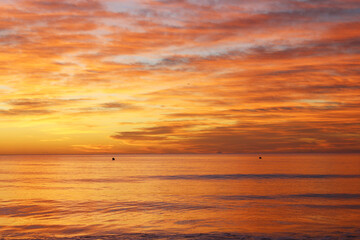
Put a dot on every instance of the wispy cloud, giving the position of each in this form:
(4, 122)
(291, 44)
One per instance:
(191, 76)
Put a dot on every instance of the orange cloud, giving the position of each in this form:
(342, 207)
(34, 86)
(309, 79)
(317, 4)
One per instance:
(190, 76)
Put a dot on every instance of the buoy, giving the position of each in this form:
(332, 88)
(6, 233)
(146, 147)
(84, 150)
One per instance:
(259, 157)
(113, 159)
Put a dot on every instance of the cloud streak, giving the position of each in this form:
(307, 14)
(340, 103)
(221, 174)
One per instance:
(191, 76)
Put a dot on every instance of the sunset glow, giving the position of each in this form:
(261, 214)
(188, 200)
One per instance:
(179, 76)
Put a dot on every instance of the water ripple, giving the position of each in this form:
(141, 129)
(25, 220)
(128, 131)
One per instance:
(340, 196)
(251, 176)
(59, 209)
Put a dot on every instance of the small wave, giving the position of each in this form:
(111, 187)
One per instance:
(200, 236)
(251, 176)
(54, 209)
(135, 179)
(340, 196)
(330, 206)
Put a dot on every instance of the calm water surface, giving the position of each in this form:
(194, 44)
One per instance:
(280, 195)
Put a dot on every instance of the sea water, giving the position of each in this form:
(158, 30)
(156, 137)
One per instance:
(280, 195)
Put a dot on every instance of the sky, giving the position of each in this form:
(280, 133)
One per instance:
(179, 76)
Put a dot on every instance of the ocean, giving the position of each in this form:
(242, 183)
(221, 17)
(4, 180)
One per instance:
(180, 196)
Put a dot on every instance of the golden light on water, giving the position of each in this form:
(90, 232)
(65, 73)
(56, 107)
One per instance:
(72, 195)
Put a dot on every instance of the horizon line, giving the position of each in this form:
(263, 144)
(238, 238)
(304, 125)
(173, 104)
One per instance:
(266, 153)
